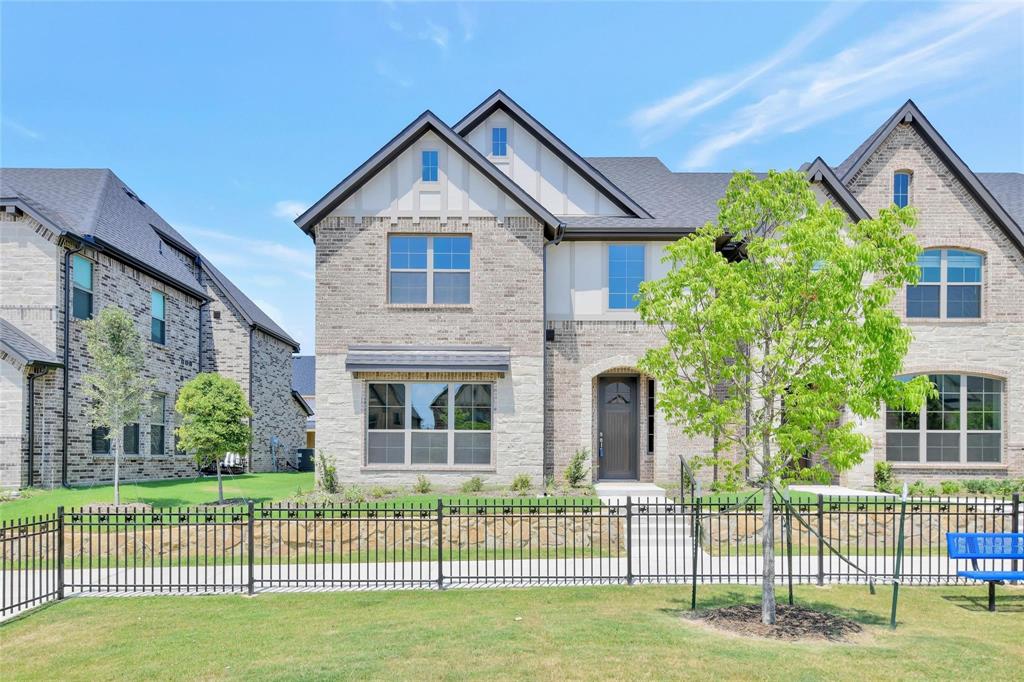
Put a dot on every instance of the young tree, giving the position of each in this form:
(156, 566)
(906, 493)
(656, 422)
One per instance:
(765, 353)
(116, 386)
(214, 421)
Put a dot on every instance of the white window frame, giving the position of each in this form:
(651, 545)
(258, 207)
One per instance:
(922, 428)
(430, 267)
(408, 431)
(608, 276)
(943, 284)
(423, 166)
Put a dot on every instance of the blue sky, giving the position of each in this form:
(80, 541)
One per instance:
(229, 117)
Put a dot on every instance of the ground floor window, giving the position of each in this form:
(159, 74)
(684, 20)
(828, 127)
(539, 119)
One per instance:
(962, 424)
(158, 426)
(429, 424)
(100, 441)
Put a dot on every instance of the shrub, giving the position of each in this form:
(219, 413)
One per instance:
(521, 484)
(473, 485)
(951, 487)
(578, 468)
(379, 491)
(885, 481)
(422, 485)
(1004, 487)
(326, 474)
(353, 494)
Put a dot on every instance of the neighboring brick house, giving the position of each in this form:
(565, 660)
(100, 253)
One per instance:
(75, 241)
(474, 295)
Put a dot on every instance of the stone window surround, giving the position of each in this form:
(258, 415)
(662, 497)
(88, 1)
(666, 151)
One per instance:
(419, 230)
(951, 321)
(1006, 431)
(366, 378)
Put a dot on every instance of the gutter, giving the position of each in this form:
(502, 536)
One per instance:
(252, 330)
(67, 355)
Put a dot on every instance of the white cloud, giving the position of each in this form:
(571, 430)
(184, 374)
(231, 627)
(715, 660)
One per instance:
(467, 21)
(24, 131)
(668, 115)
(787, 93)
(388, 72)
(436, 34)
(288, 209)
(260, 254)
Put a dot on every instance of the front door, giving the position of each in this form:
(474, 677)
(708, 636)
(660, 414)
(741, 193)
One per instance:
(617, 417)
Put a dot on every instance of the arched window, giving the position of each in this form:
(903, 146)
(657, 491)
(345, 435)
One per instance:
(901, 188)
(950, 285)
(962, 425)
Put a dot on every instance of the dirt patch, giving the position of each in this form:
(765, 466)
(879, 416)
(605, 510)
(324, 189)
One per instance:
(792, 623)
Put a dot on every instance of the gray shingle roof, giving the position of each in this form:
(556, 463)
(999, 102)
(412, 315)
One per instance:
(426, 358)
(1008, 189)
(95, 203)
(304, 374)
(24, 347)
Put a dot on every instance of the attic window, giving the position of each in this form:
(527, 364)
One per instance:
(216, 314)
(429, 173)
(499, 141)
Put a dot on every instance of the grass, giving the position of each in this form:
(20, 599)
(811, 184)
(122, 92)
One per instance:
(160, 494)
(548, 633)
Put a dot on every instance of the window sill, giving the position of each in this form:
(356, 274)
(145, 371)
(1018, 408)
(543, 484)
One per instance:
(954, 321)
(994, 466)
(429, 306)
(410, 469)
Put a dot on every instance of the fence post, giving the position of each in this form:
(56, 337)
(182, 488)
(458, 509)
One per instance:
(60, 552)
(821, 540)
(251, 535)
(1015, 523)
(440, 544)
(629, 539)
(695, 532)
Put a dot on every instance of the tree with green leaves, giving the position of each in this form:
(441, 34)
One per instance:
(214, 421)
(116, 385)
(765, 353)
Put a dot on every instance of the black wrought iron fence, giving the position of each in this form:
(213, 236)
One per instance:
(481, 542)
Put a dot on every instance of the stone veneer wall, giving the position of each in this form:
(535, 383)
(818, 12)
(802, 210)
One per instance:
(581, 352)
(948, 216)
(506, 309)
(275, 411)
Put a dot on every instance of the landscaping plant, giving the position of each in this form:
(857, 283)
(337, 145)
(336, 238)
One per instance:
(214, 421)
(422, 485)
(579, 467)
(116, 387)
(521, 484)
(764, 352)
(326, 474)
(473, 485)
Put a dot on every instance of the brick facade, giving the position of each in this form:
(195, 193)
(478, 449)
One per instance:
(506, 309)
(949, 217)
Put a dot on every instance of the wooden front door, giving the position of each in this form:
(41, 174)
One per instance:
(617, 427)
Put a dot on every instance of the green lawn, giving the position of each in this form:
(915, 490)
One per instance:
(257, 487)
(540, 633)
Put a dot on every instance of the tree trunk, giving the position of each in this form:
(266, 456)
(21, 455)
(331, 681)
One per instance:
(768, 555)
(220, 484)
(115, 443)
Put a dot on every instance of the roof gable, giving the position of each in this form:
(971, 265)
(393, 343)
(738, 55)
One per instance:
(500, 101)
(427, 121)
(819, 171)
(909, 113)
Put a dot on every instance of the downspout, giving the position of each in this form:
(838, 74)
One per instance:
(32, 422)
(559, 233)
(252, 329)
(199, 278)
(67, 355)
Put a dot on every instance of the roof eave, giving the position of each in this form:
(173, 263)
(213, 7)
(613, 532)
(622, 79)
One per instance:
(819, 171)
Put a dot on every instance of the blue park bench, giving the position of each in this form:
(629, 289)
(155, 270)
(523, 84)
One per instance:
(976, 546)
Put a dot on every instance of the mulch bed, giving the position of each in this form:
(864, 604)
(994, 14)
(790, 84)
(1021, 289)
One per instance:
(792, 623)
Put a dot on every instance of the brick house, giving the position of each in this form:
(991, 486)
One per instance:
(75, 241)
(474, 292)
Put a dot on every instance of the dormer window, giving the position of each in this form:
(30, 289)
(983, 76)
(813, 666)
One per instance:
(429, 173)
(499, 141)
(901, 188)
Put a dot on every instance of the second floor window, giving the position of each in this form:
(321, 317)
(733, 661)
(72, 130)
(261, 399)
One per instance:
(81, 297)
(429, 172)
(950, 285)
(499, 141)
(428, 269)
(901, 188)
(158, 304)
(625, 272)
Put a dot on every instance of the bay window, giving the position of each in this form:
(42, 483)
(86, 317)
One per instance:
(961, 425)
(429, 424)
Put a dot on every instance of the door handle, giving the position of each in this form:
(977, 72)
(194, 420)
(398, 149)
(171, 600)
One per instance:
(600, 444)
